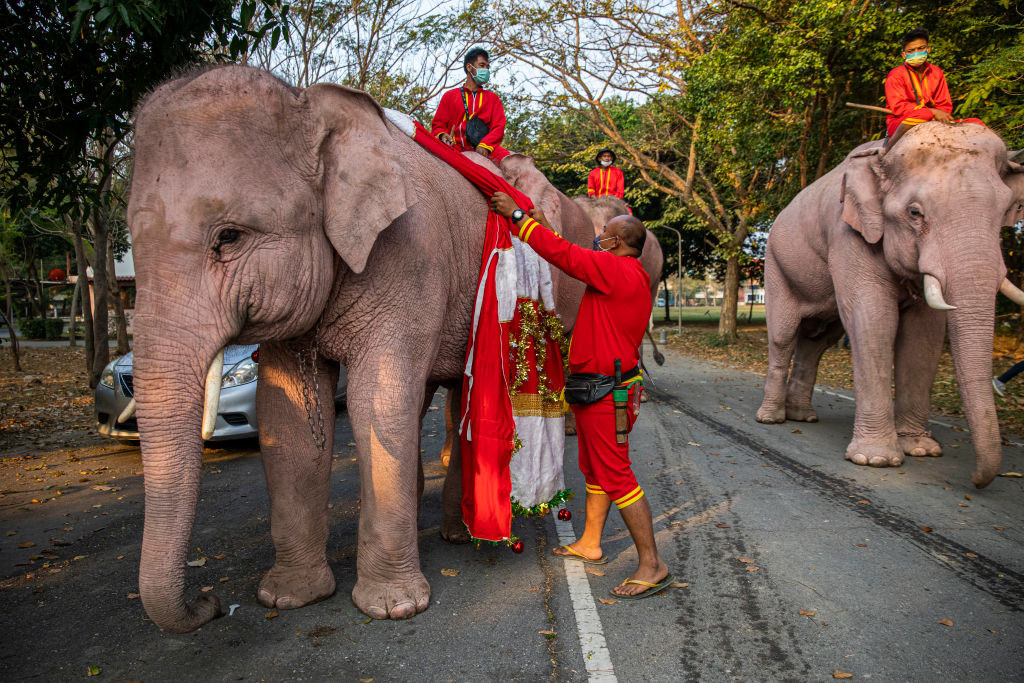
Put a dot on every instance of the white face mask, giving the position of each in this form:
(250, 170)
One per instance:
(606, 164)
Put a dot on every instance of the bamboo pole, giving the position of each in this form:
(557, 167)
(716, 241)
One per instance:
(869, 107)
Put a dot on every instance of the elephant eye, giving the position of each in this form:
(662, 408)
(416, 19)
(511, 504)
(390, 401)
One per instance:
(226, 236)
(915, 211)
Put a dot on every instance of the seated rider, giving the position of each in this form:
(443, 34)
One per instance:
(916, 91)
(472, 101)
(606, 178)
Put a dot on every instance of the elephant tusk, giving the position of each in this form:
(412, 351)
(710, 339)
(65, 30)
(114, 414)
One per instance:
(933, 294)
(1012, 292)
(211, 402)
(129, 410)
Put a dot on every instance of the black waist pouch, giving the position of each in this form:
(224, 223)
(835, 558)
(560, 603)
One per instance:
(584, 388)
(476, 131)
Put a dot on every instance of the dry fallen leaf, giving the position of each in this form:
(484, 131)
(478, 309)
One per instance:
(752, 568)
(796, 431)
(998, 528)
(862, 545)
(963, 505)
(593, 570)
(365, 680)
(26, 544)
(971, 555)
(678, 483)
(222, 556)
(534, 590)
(197, 563)
(968, 496)
(1011, 474)
(679, 584)
(807, 613)
(449, 572)
(608, 601)
(745, 559)
(946, 622)
(926, 528)
(841, 674)
(863, 502)
(271, 614)
(546, 633)
(132, 596)
(992, 630)
(223, 579)
(206, 589)
(721, 525)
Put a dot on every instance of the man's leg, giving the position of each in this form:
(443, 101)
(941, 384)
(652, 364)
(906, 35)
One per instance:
(589, 544)
(651, 568)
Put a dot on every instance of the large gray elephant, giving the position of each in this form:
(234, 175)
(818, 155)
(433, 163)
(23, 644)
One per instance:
(895, 244)
(304, 221)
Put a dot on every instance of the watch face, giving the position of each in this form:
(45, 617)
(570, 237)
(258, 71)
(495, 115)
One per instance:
(518, 214)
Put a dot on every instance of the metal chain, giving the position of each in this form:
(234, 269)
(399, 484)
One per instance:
(307, 368)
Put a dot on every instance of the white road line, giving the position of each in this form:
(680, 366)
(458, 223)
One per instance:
(934, 422)
(595, 651)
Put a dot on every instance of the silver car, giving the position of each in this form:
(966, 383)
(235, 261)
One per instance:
(236, 416)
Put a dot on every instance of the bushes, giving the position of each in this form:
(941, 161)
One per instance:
(42, 328)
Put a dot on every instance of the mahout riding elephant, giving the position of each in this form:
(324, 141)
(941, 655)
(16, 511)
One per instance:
(304, 221)
(895, 244)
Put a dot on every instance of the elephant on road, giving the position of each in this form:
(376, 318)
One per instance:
(304, 221)
(895, 245)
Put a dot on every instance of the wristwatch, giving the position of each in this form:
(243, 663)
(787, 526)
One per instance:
(517, 215)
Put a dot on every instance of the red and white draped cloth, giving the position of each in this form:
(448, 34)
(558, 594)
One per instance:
(512, 422)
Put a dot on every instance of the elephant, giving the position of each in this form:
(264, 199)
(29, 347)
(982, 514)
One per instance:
(302, 220)
(895, 244)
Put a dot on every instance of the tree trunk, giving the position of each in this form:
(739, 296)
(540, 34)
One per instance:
(88, 333)
(115, 294)
(100, 314)
(8, 316)
(74, 310)
(664, 284)
(727, 321)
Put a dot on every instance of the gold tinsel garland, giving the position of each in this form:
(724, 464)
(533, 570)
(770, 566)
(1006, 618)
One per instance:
(533, 326)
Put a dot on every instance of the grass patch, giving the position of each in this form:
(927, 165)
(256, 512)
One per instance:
(750, 352)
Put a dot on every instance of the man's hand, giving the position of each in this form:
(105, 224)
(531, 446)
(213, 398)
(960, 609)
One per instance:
(503, 205)
(940, 115)
(446, 139)
(480, 149)
(538, 215)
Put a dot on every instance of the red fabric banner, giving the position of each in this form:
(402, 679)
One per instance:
(487, 428)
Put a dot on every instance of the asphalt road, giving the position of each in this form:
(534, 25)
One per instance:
(874, 558)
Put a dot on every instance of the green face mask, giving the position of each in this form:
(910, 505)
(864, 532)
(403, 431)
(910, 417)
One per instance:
(916, 58)
(482, 76)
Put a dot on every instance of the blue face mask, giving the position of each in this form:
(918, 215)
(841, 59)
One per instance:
(597, 243)
(482, 76)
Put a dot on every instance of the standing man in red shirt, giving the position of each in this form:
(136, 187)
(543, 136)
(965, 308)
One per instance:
(606, 178)
(610, 326)
(453, 122)
(916, 91)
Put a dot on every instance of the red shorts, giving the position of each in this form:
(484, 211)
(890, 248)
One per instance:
(604, 462)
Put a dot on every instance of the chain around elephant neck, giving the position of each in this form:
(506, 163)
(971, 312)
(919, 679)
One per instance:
(307, 368)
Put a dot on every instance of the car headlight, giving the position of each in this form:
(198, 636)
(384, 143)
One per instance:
(242, 372)
(107, 378)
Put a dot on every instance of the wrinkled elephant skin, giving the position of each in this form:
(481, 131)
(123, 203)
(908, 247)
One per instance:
(304, 221)
(853, 251)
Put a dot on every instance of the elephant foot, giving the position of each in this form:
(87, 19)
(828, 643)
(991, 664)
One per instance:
(454, 530)
(290, 587)
(801, 414)
(919, 444)
(771, 415)
(873, 453)
(399, 599)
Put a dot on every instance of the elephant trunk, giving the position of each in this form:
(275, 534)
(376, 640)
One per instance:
(170, 393)
(971, 329)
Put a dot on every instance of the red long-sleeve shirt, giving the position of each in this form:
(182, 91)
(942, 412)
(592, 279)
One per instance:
(931, 90)
(616, 305)
(602, 181)
(483, 104)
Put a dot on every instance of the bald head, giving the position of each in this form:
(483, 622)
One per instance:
(630, 230)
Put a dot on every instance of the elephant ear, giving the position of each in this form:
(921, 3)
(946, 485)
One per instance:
(861, 195)
(1015, 180)
(364, 183)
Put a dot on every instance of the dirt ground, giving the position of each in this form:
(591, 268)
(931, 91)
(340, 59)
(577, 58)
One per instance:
(751, 353)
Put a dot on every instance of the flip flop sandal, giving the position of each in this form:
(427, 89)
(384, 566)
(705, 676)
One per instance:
(579, 557)
(652, 588)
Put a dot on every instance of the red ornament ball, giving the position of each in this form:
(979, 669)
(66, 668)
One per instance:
(57, 275)
(518, 547)
(564, 515)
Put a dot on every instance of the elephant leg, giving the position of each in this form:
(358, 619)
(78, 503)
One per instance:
(453, 529)
(871, 317)
(452, 405)
(918, 347)
(298, 475)
(783, 320)
(806, 358)
(386, 394)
